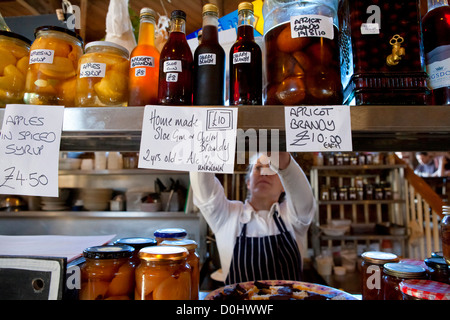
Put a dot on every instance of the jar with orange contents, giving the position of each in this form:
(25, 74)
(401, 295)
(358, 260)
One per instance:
(52, 73)
(103, 75)
(372, 271)
(14, 51)
(193, 260)
(394, 273)
(171, 234)
(163, 274)
(108, 273)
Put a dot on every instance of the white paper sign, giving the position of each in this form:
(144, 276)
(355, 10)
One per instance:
(318, 128)
(29, 150)
(42, 56)
(188, 139)
(312, 25)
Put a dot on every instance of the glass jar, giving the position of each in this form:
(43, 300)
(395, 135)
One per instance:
(372, 271)
(424, 290)
(108, 273)
(52, 73)
(137, 243)
(438, 270)
(394, 273)
(169, 234)
(103, 75)
(302, 54)
(193, 260)
(163, 274)
(14, 53)
(445, 234)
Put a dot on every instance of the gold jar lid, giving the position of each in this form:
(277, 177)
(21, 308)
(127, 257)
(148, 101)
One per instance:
(404, 270)
(187, 243)
(210, 8)
(163, 253)
(148, 12)
(245, 6)
(379, 257)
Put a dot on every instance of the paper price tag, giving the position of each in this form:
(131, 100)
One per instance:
(188, 139)
(29, 150)
(318, 128)
(312, 25)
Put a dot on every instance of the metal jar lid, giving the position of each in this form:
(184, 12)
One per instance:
(136, 242)
(379, 257)
(108, 252)
(15, 36)
(404, 270)
(186, 243)
(58, 29)
(163, 253)
(170, 233)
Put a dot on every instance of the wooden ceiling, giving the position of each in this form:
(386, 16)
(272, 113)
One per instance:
(94, 11)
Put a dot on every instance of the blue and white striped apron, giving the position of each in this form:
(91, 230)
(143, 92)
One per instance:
(274, 257)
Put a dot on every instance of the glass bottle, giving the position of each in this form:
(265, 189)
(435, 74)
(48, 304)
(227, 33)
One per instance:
(436, 42)
(445, 234)
(209, 62)
(245, 61)
(176, 64)
(144, 63)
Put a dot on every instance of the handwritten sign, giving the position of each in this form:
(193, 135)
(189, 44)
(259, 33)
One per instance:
(318, 128)
(42, 56)
(312, 25)
(188, 139)
(29, 150)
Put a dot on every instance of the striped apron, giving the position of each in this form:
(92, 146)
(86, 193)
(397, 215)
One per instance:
(274, 257)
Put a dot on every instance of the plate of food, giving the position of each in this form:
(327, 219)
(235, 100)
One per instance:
(277, 290)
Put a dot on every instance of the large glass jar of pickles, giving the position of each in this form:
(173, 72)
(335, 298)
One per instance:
(14, 51)
(163, 274)
(52, 74)
(302, 54)
(108, 273)
(103, 75)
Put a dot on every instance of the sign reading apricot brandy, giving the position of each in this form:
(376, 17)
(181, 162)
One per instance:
(188, 139)
(29, 150)
(318, 128)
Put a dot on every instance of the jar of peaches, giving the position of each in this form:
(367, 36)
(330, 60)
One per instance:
(193, 260)
(52, 74)
(108, 273)
(163, 274)
(103, 75)
(302, 53)
(14, 51)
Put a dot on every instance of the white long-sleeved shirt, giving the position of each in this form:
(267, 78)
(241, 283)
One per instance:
(226, 218)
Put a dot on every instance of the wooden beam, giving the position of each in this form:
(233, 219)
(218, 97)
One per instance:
(83, 23)
(28, 7)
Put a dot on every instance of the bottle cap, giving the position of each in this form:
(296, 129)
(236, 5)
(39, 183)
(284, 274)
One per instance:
(108, 252)
(170, 233)
(245, 6)
(148, 12)
(209, 7)
(178, 14)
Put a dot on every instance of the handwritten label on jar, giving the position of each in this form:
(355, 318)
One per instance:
(142, 61)
(42, 56)
(312, 25)
(29, 150)
(318, 128)
(370, 28)
(92, 70)
(188, 139)
(172, 77)
(172, 66)
(242, 57)
(140, 72)
(207, 59)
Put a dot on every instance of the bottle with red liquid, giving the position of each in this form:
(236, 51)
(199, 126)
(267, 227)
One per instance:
(144, 63)
(436, 42)
(245, 62)
(175, 65)
(209, 62)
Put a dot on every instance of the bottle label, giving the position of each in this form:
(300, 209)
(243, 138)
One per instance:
(172, 66)
(142, 61)
(242, 57)
(92, 70)
(206, 59)
(42, 56)
(172, 77)
(438, 67)
(140, 72)
(312, 25)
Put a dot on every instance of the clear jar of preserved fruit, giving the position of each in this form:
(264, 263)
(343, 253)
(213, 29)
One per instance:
(424, 290)
(163, 274)
(394, 273)
(103, 75)
(108, 273)
(52, 72)
(438, 270)
(445, 234)
(372, 272)
(137, 243)
(302, 54)
(169, 234)
(14, 52)
(193, 260)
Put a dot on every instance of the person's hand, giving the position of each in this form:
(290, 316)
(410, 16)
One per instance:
(279, 160)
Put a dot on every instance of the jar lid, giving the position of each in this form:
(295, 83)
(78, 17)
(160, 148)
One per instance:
(16, 36)
(136, 242)
(59, 29)
(209, 7)
(445, 209)
(107, 44)
(163, 253)
(178, 14)
(425, 289)
(170, 233)
(404, 270)
(379, 257)
(436, 263)
(148, 12)
(186, 243)
(108, 252)
(245, 6)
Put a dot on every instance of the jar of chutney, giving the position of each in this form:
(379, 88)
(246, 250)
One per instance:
(394, 273)
(372, 272)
